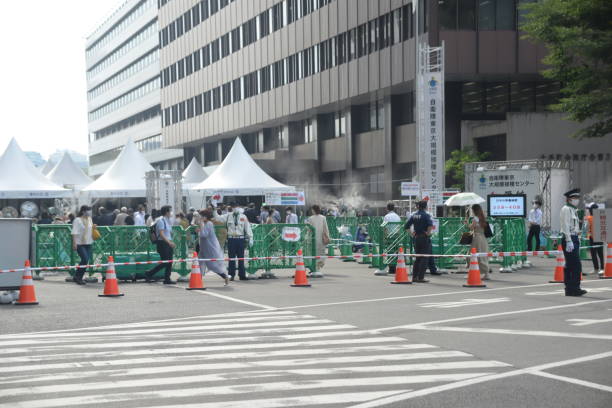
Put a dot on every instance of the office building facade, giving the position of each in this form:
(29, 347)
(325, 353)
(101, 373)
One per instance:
(321, 92)
(123, 88)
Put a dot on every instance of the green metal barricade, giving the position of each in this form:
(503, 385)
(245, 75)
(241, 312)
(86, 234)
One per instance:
(390, 238)
(268, 242)
(53, 246)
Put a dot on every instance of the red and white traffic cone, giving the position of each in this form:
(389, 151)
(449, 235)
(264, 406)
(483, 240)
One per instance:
(27, 295)
(300, 280)
(559, 269)
(195, 279)
(608, 270)
(473, 277)
(111, 287)
(401, 270)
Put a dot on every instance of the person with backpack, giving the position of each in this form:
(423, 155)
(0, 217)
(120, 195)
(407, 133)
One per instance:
(161, 234)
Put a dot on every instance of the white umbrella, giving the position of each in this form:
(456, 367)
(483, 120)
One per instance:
(463, 199)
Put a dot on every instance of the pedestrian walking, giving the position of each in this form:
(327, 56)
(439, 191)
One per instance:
(478, 225)
(597, 255)
(239, 234)
(391, 216)
(209, 246)
(535, 223)
(422, 225)
(82, 240)
(290, 216)
(165, 246)
(322, 238)
(570, 231)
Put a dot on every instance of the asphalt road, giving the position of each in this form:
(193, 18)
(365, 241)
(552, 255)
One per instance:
(351, 340)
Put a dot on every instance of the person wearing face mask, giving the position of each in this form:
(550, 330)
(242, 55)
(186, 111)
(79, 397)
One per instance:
(570, 230)
(535, 223)
(165, 246)
(239, 233)
(82, 240)
(290, 217)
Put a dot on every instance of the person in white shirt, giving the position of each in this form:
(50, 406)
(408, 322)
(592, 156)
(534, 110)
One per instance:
(139, 216)
(291, 217)
(392, 216)
(238, 234)
(535, 224)
(82, 240)
(570, 231)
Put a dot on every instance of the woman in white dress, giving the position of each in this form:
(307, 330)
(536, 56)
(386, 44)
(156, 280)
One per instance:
(210, 248)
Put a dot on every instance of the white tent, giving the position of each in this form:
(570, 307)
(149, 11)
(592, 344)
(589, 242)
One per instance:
(240, 175)
(20, 179)
(49, 165)
(66, 173)
(194, 173)
(125, 177)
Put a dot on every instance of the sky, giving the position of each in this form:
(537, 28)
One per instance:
(43, 95)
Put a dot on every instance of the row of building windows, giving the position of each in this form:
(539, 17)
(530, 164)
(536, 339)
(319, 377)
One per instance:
(125, 99)
(481, 14)
(149, 114)
(120, 26)
(271, 20)
(369, 37)
(134, 41)
(145, 145)
(192, 18)
(124, 74)
(502, 97)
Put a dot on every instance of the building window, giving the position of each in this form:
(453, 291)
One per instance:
(496, 14)
(187, 20)
(216, 97)
(188, 65)
(309, 133)
(264, 75)
(190, 108)
(197, 60)
(195, 15)
(198, 105)
(279, 74)
(206, 56)
(227, 94)
(237, 89)
(264, 24)
(207, 98)
(236, 41)
(377, 114)
(225, 46)
(339, 124)
(277, 17)
(214, 50)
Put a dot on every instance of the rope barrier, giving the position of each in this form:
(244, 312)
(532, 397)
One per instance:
(285, 257)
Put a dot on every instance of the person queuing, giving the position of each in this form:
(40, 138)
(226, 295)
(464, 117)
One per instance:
(276, 216)
(209, 246)
(140, 216)
(120, 218)
(570, 231)
(239, 233)
(535, 223)
(322, 238)
(82, 240)
(422, 225)
(596, 247)
(391, 216)
(165, 246)
(251, 214)
(290, 216)
(477, 226)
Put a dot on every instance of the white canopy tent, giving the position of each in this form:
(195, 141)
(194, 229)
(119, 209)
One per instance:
(49, 165)
(66, 173)
(194, 173)
(125, 177)
(20, 179)
(239, 175)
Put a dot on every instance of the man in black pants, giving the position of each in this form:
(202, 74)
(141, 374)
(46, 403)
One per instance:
(422, 223)
(535, 222)
(165, 246)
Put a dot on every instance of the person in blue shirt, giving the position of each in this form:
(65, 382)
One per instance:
(422, 225)
(165, 246)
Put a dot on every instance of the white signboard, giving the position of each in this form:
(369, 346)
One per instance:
(166, 191)
(602, 220)
(286, 199)
(410, 188)
(434, 198)
(500, 182)
(431, 131)
(291, 234)
(505, 206)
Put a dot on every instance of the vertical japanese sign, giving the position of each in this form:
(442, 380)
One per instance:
(431, 131)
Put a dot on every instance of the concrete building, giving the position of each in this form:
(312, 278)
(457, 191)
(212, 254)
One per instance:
(321, 92)
(123, 92)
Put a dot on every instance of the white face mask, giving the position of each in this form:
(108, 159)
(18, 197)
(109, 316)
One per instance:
(88, 213)
(575, 202)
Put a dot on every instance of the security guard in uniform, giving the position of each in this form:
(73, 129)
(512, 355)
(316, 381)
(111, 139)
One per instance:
(570, 230)
(239, 233)
(423, 225)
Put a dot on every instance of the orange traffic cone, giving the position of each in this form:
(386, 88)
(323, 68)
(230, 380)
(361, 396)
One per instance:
(300, 279)
(27, 296)
(608, 271)
(195, 279)
(401, 271)
(559, 274)
(111, 288)
(473, 278)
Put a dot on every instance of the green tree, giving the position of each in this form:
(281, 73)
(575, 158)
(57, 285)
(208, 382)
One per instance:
(455, 166)
(578, 35)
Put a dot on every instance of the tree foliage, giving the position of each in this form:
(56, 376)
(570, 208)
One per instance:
(578, 35)
(455, 166)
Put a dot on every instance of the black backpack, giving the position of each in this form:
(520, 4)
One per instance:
(153, 233)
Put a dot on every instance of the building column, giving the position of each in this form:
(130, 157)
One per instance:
(388, 147)
(348, 115)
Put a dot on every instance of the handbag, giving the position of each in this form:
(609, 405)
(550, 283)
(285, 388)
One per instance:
(488, 232)
(95, 234)
(466, 238)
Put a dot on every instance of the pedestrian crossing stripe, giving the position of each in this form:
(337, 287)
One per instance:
(264, 359)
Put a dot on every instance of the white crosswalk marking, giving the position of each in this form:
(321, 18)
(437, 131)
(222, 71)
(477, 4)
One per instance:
(262, 359)
(463, 303)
